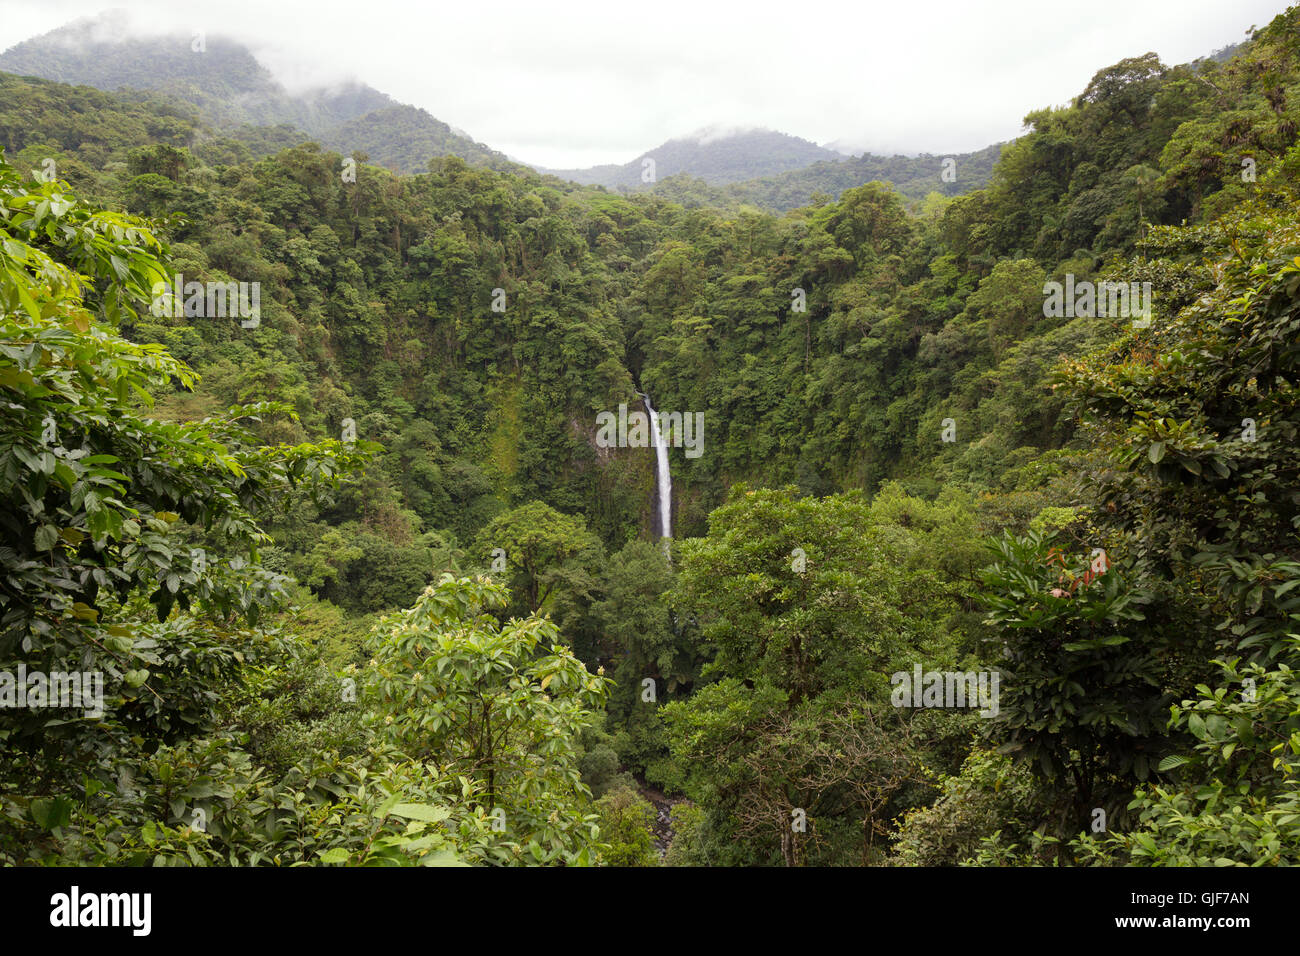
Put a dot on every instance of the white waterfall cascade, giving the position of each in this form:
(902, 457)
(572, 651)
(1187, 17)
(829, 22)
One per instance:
(665, 476)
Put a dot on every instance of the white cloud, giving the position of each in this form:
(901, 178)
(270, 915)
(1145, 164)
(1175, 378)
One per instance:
(585, 81)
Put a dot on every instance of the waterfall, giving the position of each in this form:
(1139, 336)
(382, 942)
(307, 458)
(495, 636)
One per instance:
(665, 476)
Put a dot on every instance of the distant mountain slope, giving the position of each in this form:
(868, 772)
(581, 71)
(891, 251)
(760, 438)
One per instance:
(913, 176)
(713, 157)
(777, 171)
(225, 81)
(404, 138)
(231, 90)
(1224, 54)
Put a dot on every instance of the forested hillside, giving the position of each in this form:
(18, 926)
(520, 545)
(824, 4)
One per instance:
(231, 91)
(913, 177)
(367, 585)
(718, 156)
(778, 173)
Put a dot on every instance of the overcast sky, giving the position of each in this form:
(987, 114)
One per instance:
(572, 83)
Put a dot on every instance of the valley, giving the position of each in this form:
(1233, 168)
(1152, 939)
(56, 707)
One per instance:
(367, 468)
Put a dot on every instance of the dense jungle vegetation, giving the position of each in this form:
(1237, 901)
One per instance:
(366, 589)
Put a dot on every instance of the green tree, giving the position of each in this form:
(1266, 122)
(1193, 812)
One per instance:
(501, 706)
(627, 826)
(1087, 674)
(101, 502)
(810, 612)
(540, 546)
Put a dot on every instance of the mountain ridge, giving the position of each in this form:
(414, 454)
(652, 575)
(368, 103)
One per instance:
(232, 89)
(731, 157)
(240, 97)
